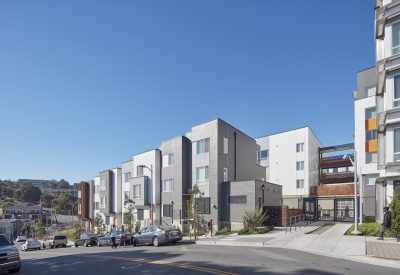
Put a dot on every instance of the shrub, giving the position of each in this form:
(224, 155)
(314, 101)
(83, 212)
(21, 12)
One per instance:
(260, 230)
(224, 231)
(370, 229)
(244, 231)
(395, 209)
(254, 218)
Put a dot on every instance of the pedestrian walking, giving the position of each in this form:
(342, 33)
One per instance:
(122, 237)
(113, 234)
(387, 223)
(210, 227)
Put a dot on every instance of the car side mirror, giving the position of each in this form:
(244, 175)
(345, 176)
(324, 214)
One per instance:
(140, 233)
(12, 243)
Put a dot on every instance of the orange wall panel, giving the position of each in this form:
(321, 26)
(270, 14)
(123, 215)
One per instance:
(371, 146)
(370, 124)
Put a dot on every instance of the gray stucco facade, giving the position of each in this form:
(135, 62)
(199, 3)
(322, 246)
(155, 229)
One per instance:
(108, 192)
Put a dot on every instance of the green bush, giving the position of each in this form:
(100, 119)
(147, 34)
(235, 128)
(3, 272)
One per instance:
(260, 230)
(244, 231)
(223, 231)
(370, 229)
(395, 209)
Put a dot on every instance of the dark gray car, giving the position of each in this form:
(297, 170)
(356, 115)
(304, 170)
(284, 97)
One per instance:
(157, 235)
(9, 256)
(86, 240)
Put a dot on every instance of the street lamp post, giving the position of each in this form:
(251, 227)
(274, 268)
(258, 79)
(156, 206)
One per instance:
(153, 192)
(354, 163)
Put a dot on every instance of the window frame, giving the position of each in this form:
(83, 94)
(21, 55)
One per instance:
(206, 180)
(203, 149)
(204, 206)
(394, 145)
(398, 46)
(301, 163)
(369, 176)
(225, 145)
(370, 153)
(79, 194)
(105, 202)
(102, 186)
(234, 199)
(135, 196)
(367, 89)
(300, 147)
(396, 101)
(171, 184)
(367, 109)
(96, 205)
(170, 160)
(125, 176)
(302, 183)
(139, 171)
(373, 133)
(261, 157)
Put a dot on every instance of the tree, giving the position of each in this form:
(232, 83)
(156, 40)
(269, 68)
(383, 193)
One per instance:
(129, 217)
(63, 184)
(5, 205)
(45, 199)
(52, 185)
(30, 193)
(36, 228)
(18, 195)
(395, 209)
(254, 218)
(98, 222)
(195, 199)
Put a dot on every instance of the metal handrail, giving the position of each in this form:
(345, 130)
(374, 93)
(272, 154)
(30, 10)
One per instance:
(298, 222)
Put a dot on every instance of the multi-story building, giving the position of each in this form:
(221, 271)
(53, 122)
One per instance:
(387, 40)
(291, 159)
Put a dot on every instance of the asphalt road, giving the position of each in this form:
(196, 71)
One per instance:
(185, 258)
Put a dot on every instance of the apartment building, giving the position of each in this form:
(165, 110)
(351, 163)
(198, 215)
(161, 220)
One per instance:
(387, 40)
(291, 159)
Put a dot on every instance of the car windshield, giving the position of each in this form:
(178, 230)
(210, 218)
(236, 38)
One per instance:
(166, 227)
(4, 241)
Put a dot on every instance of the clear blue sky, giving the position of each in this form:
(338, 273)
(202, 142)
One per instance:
(85, 85)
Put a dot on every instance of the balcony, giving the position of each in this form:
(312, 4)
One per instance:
(336, 161)
(341, 177)
(332, 190)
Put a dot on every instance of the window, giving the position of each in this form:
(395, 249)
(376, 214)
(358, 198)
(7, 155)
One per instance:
(370, 179)
(225, 146)
(126, 195)
(274, 213)
(299, 147)
(396, 100)
(371, 135)
(127, 176)
(79, 194)
(103, 202)
(96, 189)
(79, 208)
(264, 154)
(168, 210)
(396, 144)
(225, 174)
(168, 185)
(300, 184)
(396, 38)
(370, 91)
(267, 170)
(202, 175)
(299, 165)
(371, 157)
(260, 201)
(139, 171)
(237, 199)
(370, 113)
(103, 184)
(203, 146)
(137, 191)
(167, 160)
(96, 206)
(396, 187)
(204, 206)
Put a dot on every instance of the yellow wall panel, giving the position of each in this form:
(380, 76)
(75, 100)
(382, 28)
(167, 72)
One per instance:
(371, 146)
(370, 124)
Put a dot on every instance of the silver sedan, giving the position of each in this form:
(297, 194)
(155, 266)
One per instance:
(157, 235)
(31, 245)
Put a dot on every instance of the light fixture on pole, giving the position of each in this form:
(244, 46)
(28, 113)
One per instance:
(153, 191)
(354, 163)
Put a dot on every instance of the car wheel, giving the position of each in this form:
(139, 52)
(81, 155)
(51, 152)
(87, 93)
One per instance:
(64, 245)
(134, 242)
(15, 270)
(99, 244)
(155, 241)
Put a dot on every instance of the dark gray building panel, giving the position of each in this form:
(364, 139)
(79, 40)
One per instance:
(107, 175)
(366, 78)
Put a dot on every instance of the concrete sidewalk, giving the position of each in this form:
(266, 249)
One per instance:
(332, 243)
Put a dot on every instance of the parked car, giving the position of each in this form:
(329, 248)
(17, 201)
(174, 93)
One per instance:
(9, 259)
(104, 240)
(55, 241)
(86, 240)
(157, 235)
(21, 239)
(127, 238)
(31, 245)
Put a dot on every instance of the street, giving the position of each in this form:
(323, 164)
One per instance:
(187, 258)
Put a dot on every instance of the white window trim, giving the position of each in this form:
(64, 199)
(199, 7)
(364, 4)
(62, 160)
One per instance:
(139, 196)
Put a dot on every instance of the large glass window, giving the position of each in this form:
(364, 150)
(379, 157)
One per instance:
(370, 91)
(299, 147)
(396, 100)
(137, 191)
(396, 38)
(371, 135)
(127, 176)
(168, 185)
(370, 113)
(204, 206)
(103, 202)
(264, 154)
(300, 184)
(203, 146)
(168, 160)
(397, 144)
(202, 175)
(103, 184)
(370, 179)
(299, 165)
(371, 157)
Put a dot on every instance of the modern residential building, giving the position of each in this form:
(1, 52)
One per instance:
(86, 203)
(291, 159)
(387, 40)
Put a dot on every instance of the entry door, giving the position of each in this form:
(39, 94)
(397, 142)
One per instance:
(309, 208)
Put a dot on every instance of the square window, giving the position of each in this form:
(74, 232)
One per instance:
(202, 175)
(264, 154)
(370, 179)
(371, 135)
(370, 91)
(299, 184)
(127, 176)
(299, 165)
(168, 160)
(168, 185)
(299, 147)
(370, 113)
(203, 146)
(371, 157)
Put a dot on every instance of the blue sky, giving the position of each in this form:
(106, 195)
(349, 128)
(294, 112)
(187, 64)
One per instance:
(85, 85)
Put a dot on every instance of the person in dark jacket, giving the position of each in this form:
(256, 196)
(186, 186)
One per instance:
(387, 223)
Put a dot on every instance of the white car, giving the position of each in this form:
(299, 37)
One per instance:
(33, 245)
(20, 239)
